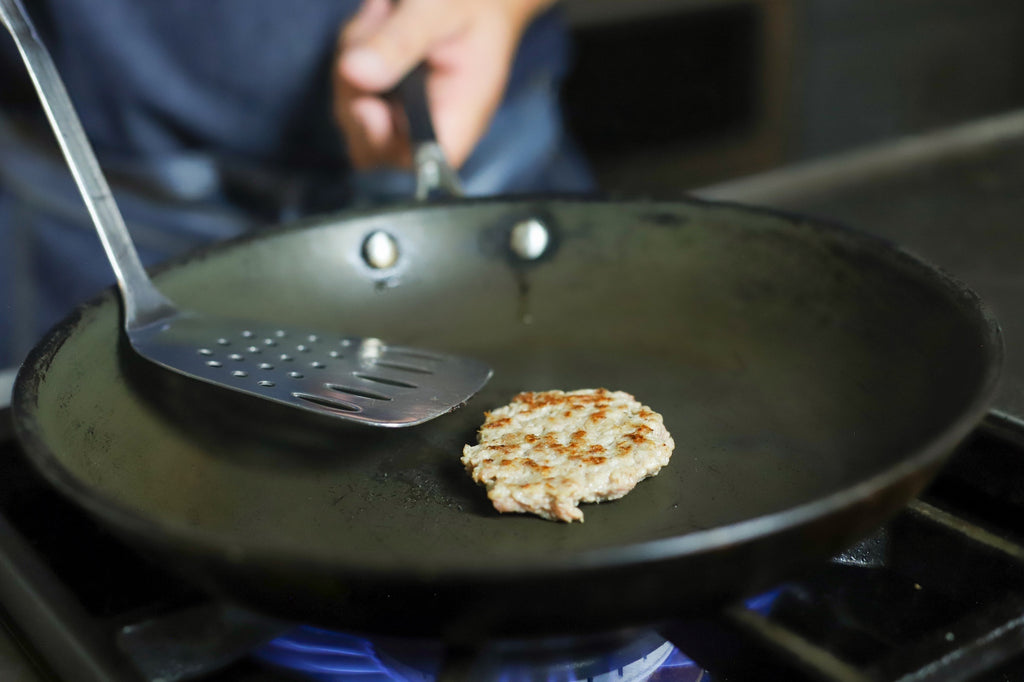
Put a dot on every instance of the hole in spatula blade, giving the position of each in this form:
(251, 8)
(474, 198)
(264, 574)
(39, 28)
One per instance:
(330, 404)
(361, 392)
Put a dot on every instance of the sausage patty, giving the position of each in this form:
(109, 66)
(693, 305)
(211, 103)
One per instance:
(546, 452)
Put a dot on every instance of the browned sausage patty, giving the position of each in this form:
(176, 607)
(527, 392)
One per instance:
(546, 452)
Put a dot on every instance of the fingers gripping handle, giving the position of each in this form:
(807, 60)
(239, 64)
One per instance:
(143, 303)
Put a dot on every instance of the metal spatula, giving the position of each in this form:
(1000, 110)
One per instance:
(357, 379)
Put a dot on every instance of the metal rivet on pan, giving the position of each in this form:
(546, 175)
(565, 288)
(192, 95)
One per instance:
(380, 250)
(253, 349)
(269, 342)
(334, 354)
(295, 375)
(248, 334)
(313, 338)
(529, 239)
(317, 364)
(213, 363)
(236, 357)
(223, 342)
(286, 358)
(266, 365)
(239, 373)
(205, 351)
(280, 333)
(302, 348)
(266, 384)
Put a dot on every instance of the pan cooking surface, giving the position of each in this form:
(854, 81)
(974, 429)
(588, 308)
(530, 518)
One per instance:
(791, 362)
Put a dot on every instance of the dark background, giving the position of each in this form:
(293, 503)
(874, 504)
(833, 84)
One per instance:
(673, 94)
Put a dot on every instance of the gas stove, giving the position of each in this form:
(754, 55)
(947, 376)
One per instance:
(936, 594)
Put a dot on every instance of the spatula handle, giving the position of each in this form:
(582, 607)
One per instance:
(143, 303)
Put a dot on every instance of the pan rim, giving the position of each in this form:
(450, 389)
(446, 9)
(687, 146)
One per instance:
(194, 540)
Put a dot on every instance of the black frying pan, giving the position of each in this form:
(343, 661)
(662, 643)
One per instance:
(814, 380)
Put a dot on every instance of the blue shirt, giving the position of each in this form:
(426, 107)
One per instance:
(245, 80)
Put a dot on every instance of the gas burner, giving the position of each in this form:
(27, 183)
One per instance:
(635, 656)
(327, 656)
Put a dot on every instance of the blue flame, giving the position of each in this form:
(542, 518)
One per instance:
(328, 656)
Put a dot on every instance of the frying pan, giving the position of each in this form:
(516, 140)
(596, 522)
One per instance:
(814, 380)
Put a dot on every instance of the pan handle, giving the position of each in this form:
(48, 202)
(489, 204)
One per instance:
(433, 173)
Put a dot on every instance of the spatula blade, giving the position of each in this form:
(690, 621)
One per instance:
(353, 378)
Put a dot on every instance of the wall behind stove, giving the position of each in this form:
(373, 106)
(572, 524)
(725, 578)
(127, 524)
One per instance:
(673, 94)
(872, 69)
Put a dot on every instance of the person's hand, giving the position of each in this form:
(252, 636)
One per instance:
(468, 46)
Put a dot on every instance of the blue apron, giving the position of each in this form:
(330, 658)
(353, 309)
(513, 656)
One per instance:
(204, 136)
